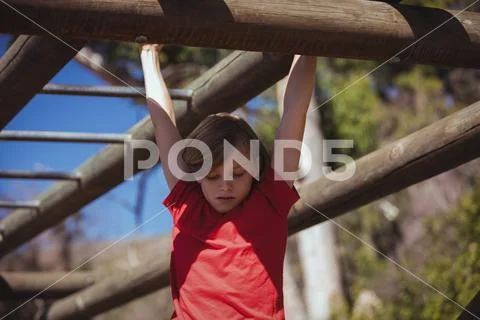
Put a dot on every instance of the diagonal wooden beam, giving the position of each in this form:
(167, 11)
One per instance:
(441, 146)
(337, 28)
(25, 285)
(26, 67)
(112, 292)
(232, 82)
(419, 156)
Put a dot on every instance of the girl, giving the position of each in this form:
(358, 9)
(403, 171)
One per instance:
(229, 235)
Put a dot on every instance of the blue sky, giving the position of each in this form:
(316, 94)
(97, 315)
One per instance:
(105, 218)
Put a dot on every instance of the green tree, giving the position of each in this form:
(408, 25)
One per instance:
(447, 257)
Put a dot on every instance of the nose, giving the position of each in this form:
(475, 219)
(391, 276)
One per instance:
(226, 184)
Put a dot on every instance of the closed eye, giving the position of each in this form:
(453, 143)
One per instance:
(235, 175)
(238, 175)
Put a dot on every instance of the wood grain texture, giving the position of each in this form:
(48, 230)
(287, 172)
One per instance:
(342, 28)
(26, 67)
(112, 291)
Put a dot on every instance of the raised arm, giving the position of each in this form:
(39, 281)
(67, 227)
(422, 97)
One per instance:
(160, 107)
(298, 92)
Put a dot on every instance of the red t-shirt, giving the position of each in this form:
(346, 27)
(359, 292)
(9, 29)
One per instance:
(230, 265)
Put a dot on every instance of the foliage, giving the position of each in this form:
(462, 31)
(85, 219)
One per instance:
(126, 55)
(423, 101)
(441, 4)
(370, 229)
(351, 112)
(265, 124)
(374, 108)
(170, 54)
(447, 257)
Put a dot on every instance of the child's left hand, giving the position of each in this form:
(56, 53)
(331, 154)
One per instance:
(156, 47)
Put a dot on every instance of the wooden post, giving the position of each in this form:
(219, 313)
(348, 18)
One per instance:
(336, 28)
(437, 148)
(232, 82)
(27, 66)
(24, 285)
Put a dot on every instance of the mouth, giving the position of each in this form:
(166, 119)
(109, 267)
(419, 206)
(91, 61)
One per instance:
(225, 198)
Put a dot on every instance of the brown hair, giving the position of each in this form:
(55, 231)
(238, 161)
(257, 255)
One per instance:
(213, 130)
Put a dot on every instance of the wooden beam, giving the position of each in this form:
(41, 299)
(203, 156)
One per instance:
(432, 150)
(27, 66)
(112, 292)
(24, 285)
(232, 82)
(439, 147)
(337, 28)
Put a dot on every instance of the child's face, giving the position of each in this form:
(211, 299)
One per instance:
(215, 187)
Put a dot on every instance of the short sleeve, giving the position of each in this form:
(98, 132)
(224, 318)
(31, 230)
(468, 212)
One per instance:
(183, 198)
(278, 192)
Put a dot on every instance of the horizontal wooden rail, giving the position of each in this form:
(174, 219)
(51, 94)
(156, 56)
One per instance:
(359, 29)
(54, 136)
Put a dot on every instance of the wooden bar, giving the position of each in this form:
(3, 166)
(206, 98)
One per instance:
(46, 175)
(54, 136)
(18, 204)
(25, 285)
(109, 91)
(112, 292)
(360, 29)
(27, 66)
